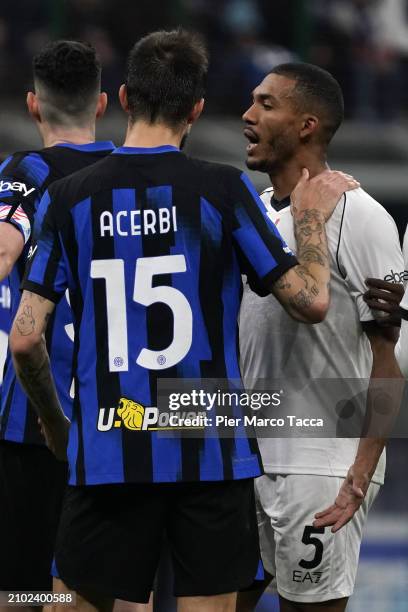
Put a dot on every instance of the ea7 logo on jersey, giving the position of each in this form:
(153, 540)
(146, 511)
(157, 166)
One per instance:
(397, 277)
(21, 187)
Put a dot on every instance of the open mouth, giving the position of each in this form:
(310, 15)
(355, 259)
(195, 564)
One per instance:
(253, 139)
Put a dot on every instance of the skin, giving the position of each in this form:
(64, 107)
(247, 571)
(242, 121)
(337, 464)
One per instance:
(11, 247)
(303, 291)
(33, 370)
(11, 240)
(283, 140)
(276, 131)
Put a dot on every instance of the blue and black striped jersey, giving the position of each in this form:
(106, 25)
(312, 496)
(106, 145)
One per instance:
(5, 322)
(151, 245)
(23, 179)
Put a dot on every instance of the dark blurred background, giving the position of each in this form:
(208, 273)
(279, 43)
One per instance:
(363, 43)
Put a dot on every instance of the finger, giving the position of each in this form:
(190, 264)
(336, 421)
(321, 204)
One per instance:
(375, 305)
(378, 283)
(358, 491)
(382, 294)
(345, 518)
(325, 512)
(304, 177)
(327, 521)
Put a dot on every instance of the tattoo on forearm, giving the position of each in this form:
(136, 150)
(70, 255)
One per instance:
(283, 283)
(25, 321)
(302, 299)
(305, 274)
(33, 371)
(312, 255)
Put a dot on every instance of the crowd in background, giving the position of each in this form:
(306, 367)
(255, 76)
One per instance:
(364, 43)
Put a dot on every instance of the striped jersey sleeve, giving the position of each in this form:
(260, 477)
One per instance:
(20, 190)
(263, 254)
(46, 273)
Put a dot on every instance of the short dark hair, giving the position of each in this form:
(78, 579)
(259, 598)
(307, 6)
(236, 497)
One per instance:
(317, 91)
(166, 75)
(68, 73)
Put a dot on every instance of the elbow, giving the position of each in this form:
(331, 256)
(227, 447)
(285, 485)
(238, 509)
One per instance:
(6, 263)
(316, 313)
(23, 347)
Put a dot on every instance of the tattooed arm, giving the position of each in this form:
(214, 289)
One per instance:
(32, 365)
(304, 290)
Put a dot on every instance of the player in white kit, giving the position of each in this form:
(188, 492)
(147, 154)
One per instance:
(295, 112)
(388, 297)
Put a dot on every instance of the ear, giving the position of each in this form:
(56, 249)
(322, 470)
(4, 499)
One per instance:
(196, 112)
(102, 104)
(309, 126)
(33, 107)
(123, 99)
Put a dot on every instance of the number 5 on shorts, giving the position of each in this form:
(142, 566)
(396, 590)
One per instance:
(318, 544)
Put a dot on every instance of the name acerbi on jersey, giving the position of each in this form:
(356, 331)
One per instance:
(139, 222)
(15, 186)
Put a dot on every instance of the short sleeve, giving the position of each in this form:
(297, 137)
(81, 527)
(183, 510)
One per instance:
(21, 176)
(401, 348)
(46, 272)
(369, 247)
(263, 254)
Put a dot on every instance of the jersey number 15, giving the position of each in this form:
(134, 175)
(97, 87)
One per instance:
(113, 271)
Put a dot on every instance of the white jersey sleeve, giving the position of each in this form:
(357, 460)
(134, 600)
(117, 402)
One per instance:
(401, 349)
(368, 247)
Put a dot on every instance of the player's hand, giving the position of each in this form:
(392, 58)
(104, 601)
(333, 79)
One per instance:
(322, 192)
(385, 298)
(56, 437)
(351, 496)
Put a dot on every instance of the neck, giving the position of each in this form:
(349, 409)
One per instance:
(284, 179)
(146, 135)
(52, 136)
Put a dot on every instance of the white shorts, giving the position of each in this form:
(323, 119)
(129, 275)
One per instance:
(309, 565)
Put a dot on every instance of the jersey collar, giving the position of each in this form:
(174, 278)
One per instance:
(280, 205)
(145, 150)
(101, 145)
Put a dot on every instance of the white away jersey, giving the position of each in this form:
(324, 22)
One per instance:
(363, 242)
(401, 350)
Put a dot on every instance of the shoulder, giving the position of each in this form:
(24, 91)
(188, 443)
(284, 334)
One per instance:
(360, 207)
(212, 170)
(26, 165)
(266, 196)
(82, 183)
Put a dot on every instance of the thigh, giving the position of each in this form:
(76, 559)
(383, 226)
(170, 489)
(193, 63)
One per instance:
(267, 509)
(32, 485)
(213, 538)
(314, 565)
(109, 539)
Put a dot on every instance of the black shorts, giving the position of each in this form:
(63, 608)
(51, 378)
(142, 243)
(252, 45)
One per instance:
(110, 538)
(32, 487)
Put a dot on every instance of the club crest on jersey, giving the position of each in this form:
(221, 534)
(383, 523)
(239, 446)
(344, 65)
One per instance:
(15, 186)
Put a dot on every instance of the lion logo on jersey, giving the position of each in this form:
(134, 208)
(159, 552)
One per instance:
(131, 414)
